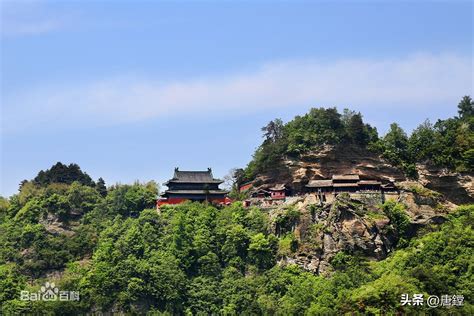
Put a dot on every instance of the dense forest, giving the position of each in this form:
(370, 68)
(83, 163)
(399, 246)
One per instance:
(120, 254)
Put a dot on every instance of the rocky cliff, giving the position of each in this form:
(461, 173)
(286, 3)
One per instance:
(295, 173)
(457, 187)
(326, 161)
(355, 225)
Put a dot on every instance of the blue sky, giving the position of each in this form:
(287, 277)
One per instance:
(129, 90)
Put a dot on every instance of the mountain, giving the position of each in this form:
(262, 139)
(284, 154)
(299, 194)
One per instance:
(295, 173)
(429, 190)
(324, 142)
(111, 251)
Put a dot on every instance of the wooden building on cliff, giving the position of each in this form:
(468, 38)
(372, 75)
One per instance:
(350, 183)
(345, 183)
(278, 192)
(192, 186)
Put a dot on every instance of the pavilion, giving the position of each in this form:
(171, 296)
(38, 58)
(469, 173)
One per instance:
(192, 186)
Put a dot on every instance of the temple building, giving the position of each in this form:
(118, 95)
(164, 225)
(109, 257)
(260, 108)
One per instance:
(192, 186)
(348, 183)
(345, 183)
(278, 192)
(320, 186)
(260, 193)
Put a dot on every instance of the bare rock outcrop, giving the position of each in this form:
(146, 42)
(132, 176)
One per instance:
(329, 160)
(355, 224)
(457, 187)
(295, 173)
(356, 227)
(325, 230)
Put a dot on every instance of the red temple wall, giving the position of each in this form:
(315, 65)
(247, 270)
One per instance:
(278, 195)
(246, 187)
(182, 200)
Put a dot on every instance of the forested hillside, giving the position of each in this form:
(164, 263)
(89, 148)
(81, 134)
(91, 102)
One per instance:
(447, 143)
(120, 254)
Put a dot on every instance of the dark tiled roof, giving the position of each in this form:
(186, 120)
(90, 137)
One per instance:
(319, 184)
(353, 177)
(260, 191)
(193, 177)
(196, 192)
(278, 187)
(345, 185)
(369, 182)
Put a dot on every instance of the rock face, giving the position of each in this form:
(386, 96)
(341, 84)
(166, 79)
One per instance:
(356, 224)
(329, 160)
(323, 231)
(355, 227)
(457, 187)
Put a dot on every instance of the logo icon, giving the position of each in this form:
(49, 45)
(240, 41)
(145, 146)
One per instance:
(49, 292)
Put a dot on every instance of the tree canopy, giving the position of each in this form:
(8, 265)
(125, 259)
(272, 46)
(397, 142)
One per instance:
(197, 259)
(448, 143)
(123, 256)
(61, 173)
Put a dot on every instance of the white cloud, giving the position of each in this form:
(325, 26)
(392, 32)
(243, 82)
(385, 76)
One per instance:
(26, 18)
(18, 28)
(418, 80)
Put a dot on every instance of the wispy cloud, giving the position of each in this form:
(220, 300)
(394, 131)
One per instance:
(26, 18)
(18, 28)
(419, 80)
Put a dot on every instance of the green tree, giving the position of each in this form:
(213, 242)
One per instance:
(396, 144)
(204, 296)
(445, 150)
(11, 282)
(466, 107)
(60, 173)
(4, 206)
(398, 217)
(130, 200)
(422, 141)
(273, 131)
(234, 249)
(356, 130)
(101, 188)
(262, 250)
(383, 295)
